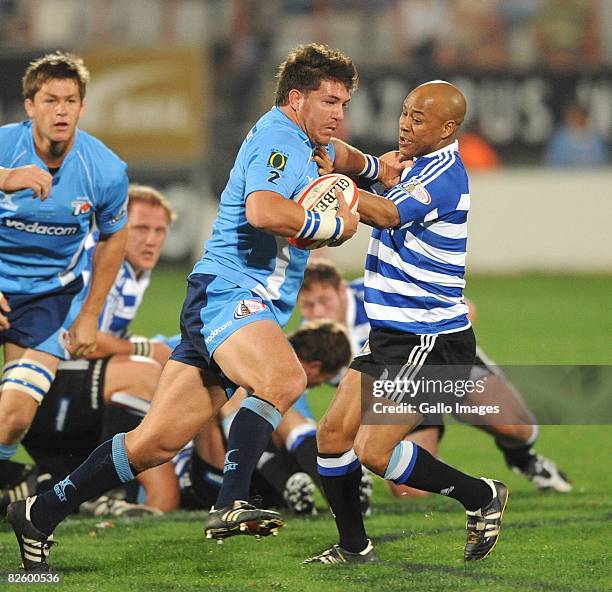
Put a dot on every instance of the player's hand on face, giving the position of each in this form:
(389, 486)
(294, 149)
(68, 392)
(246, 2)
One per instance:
(351, 220)
(82, 335)
(323, 160)
(391, 166)
(4, 308)
(27, 177)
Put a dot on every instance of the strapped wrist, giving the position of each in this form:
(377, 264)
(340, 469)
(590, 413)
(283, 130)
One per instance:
(141, 346)
(319, 226)
(371, 167)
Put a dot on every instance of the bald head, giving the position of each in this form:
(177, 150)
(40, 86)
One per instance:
(430, 118)
(445, 97)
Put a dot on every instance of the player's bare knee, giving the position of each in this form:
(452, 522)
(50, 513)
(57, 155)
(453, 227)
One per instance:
(285, 391)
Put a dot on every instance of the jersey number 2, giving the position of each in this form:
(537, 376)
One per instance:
(274, 175)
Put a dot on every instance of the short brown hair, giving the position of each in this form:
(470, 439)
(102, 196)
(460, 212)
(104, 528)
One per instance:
(150, 195)
(307, 65)
(56, 65)
(321, 271)
(325, 342)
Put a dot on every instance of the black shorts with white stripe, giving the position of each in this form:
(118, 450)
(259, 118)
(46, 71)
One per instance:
(407, 357)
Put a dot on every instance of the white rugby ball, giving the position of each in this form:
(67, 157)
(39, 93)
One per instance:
(320, 196)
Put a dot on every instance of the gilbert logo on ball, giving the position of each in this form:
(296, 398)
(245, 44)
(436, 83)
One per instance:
(320, 196)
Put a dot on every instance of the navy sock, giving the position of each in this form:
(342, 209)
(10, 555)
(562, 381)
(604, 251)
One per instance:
(204, 476)
(249, 435)
(275, 469)
(105, 468)
(414, 466)
(516, 456)
(11, 473)
(340, 478)
(306, 456)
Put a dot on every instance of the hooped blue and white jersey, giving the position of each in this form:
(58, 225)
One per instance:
(123, 299)
(357, 323)
(276, 155)
(414, 276)
(42, 243)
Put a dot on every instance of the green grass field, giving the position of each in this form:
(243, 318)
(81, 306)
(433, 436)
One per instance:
(549, 542)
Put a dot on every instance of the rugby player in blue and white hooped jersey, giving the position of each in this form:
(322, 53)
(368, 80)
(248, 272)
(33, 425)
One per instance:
(325, 295)
(414, 301)
(239, 295)
(46, 312)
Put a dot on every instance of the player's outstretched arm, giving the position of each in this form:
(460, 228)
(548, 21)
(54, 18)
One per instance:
(109, 345)
(26, 177)
(351, 161)
(107, 258)
(377, 211)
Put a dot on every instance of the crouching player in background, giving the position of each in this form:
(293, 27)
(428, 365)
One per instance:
(92, 399)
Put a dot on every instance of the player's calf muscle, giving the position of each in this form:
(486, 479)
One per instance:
(16, 413)
(332, 436)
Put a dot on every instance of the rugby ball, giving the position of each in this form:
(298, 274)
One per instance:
(320, 196)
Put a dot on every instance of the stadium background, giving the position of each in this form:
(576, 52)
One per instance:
(176, 85)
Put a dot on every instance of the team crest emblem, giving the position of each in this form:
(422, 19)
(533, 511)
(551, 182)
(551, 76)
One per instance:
(415, 190)
(248, 307)
(80, 206)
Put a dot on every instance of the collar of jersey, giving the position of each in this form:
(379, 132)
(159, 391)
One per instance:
(454, 147)
(146, 274)
(32, 147)
(282, 118)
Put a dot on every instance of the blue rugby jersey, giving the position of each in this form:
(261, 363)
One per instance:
(275, 156)
(42, 243)
(414, 277)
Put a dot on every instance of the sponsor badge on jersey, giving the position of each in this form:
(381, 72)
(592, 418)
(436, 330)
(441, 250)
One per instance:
(80, 206)
(248, 307)
(277, 160)
(415, 190)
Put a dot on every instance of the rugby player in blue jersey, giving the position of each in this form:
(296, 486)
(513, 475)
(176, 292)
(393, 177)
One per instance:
(239, 296)
(414, 302)
(92, 399)
(46, 312)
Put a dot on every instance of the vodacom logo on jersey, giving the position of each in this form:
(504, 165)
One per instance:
(44, 229)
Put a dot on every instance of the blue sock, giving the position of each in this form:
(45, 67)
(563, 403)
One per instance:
(7, 451)
(105, 468)
(249, 435)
